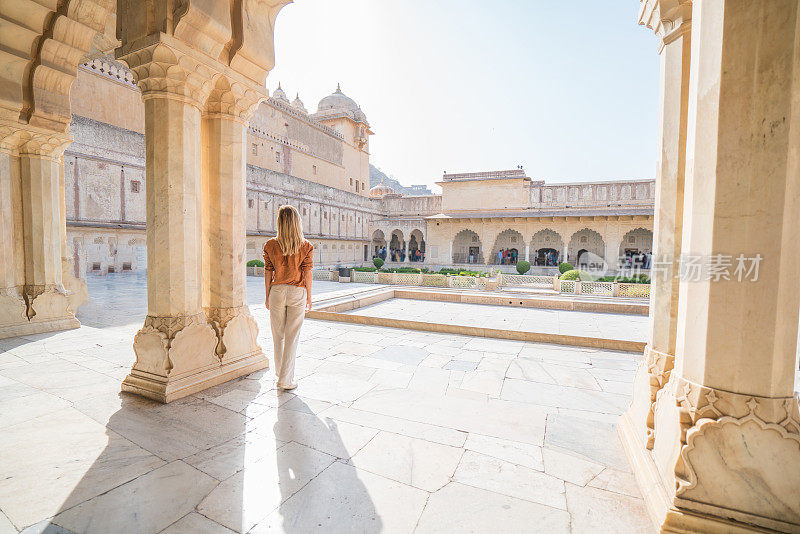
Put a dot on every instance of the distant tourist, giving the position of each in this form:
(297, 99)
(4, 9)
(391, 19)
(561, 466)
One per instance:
(288, 259)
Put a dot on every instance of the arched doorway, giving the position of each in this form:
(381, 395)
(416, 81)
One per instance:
(589, 248)
(636, 248)
(467, 247)
(506, 250)
(397, 246)
(416, 246)
(547, 247)
(379, 245)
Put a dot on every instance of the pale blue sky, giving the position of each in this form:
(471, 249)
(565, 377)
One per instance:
(569, 90)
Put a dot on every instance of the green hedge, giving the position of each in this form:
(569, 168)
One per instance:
(255, 263)
(414, 270)
(523, 266)
(448, 270)
(564, 267)
(365, 269)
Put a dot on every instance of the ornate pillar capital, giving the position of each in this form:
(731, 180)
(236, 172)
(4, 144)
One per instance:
(24, 140)
(165, 71)
(233, 99)
(669, 19)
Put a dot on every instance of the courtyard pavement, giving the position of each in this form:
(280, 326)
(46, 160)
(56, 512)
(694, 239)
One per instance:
(564, 322)
(390, 431)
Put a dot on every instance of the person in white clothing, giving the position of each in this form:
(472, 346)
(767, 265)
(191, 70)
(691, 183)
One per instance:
(288, 259)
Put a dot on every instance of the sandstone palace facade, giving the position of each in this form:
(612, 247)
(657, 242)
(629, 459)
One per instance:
(319, 162)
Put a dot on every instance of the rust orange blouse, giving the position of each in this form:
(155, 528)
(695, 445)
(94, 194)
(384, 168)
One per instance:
(289, 270)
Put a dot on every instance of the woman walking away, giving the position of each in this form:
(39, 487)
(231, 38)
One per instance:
(288, 259)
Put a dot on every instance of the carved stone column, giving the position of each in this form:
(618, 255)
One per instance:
(175, 349)
(611, 252)
(726, 454)
(224, 128)
(77, 292)
(671, 21)
(198, 332)
(13, 311)
(30, 175)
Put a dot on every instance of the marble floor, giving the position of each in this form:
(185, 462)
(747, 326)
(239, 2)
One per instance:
(390, 431)
(572, 323)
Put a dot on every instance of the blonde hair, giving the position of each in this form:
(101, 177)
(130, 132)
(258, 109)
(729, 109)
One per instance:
(290, 231)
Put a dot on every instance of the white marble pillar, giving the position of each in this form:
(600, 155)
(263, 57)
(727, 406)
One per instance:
(726, 453)
(673, 29)
(527, 252)
(77, 292)
(12, 269)
(451, 252)
(224, 217)
(29, 172)
(175, 349)
(611, 252)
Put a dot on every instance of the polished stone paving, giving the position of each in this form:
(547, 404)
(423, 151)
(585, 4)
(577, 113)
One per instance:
(390, 431)
(570, 323)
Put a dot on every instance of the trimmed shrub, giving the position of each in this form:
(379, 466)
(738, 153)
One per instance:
(523, 266)
(638, 279)
(564, 267)
(570, 275)
(377, 262)
(255, 263)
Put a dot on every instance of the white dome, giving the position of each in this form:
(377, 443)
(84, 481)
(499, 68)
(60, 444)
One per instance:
(337, 101)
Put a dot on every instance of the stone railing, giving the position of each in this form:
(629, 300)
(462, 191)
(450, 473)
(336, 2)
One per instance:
(362, 277)
(571, 287)
(328, 276)
(525, 280)
(603, 289)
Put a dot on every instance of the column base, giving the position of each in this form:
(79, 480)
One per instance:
(665, 516)
(721, 462)
(45, 310)
(177, 356)
(166, 390)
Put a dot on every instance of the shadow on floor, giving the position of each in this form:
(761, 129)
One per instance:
(194, 466)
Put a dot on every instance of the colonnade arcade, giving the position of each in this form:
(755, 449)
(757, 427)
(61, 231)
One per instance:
(587, 245)
(201, 72)
(401, 243)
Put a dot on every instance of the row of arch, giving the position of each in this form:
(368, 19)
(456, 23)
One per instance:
(585, 248)
(397, 249)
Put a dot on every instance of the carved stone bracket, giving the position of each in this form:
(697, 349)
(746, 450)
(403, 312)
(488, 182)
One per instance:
(669, 19)
(171, 325)
(241, 335)
(659, 367)
(233, 98)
